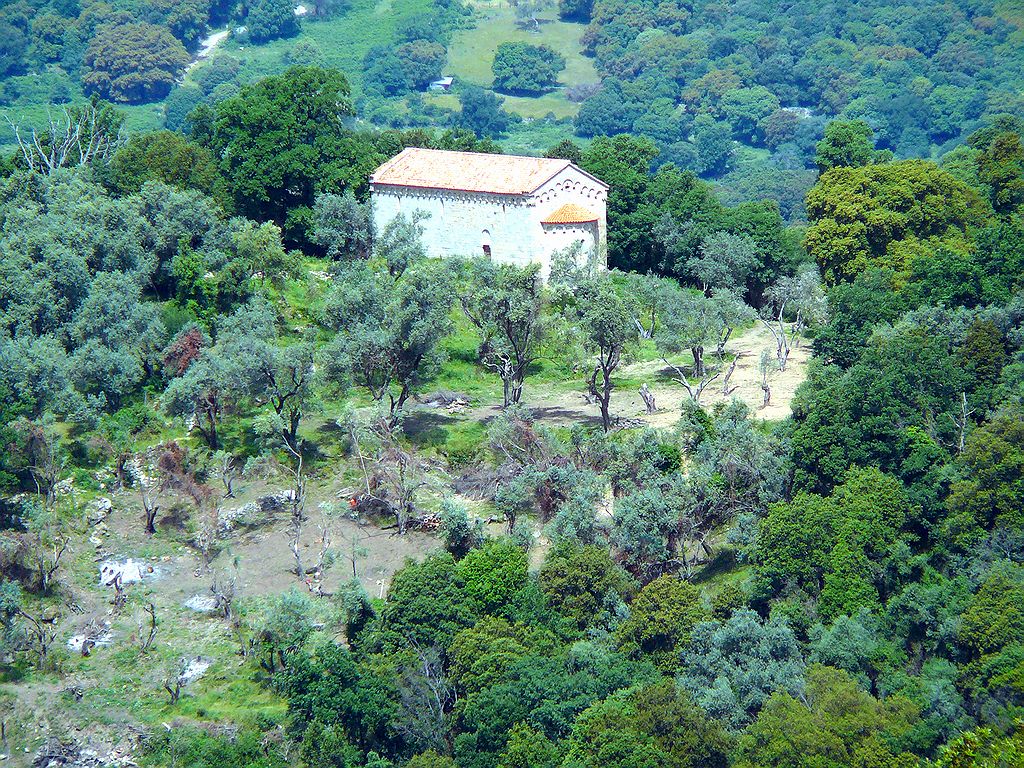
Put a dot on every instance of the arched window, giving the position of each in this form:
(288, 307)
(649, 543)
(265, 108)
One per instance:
(485, 242)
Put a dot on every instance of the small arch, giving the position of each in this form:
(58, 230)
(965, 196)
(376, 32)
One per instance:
(485, 242)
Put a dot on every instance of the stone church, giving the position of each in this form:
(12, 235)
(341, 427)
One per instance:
(513, 209)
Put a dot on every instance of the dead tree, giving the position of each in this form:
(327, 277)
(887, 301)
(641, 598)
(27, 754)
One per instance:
(765, 366)
(46, 544)
(396, 477)
(45, 459)
(225, 590)
(425, 700)
(402, 481)
(962, 422)
(227, 467)
(149, 507)
(42, 631)
(648, 397)
(775, 325)
(695, 389)
(727, 388)
(298, 509)
(354, 553)
(120, 594)
(145, 643)
(78, 136)
(175, 681)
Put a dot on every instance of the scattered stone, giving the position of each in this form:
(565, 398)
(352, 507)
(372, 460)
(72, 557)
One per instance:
(451, 401)
(194, 669)
(127, 572)
(251, 515)
(101, 507)
(202, 603)
(94, 638)
(237, 517)
(58, 753)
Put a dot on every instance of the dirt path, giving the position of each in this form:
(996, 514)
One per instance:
(207, 46)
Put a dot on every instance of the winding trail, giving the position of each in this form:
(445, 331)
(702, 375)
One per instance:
(207, 46)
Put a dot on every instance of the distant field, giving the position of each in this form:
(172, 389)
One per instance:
(472, 52)
(344, 40)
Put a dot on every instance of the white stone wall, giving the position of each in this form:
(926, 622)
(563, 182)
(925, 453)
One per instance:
(573, 186)
(462, 223)
(558, 237)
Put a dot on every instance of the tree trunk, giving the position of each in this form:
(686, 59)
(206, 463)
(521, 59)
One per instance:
(698, 361)
(648, 398)
(605, 398)
(292, 431)
(150, 510)
(210, 433)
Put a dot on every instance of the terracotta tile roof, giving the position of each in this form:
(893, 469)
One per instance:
(467, 171)
(570, 213)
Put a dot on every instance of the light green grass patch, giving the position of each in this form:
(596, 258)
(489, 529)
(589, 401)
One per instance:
(534, 137)
(343, 40)
(471, 55)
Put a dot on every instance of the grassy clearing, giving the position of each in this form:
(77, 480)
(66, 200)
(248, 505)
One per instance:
(471, 54)
(536, 136)
(344, 40)
(138, 118)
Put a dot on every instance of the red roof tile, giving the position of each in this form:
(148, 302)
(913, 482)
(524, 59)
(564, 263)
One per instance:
(570, 213)
(467, 171)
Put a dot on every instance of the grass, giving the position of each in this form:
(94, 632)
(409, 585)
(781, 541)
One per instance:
(536, 136)
(344, 40)
(471, 54)
(138, 118)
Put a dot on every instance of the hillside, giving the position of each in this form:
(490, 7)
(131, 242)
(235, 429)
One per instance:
(734, 479)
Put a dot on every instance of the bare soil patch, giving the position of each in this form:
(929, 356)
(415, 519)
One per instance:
(562, 409)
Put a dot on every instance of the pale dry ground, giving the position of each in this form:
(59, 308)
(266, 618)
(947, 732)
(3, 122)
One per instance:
(568, 408)
(746, 378)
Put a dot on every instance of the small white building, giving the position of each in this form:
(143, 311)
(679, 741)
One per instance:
(444, 84)
(514, 209)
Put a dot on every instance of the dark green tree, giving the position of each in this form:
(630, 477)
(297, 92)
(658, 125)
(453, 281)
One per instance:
(281, 140)
(524, 68)
(133, 63)
(482, 112)
(847, 143)
(270, 19)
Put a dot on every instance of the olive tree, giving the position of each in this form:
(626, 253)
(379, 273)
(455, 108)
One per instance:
(388, 328)
(505, 303)
(342, 226)
(692, 321)
(607, 325)
(262, 368)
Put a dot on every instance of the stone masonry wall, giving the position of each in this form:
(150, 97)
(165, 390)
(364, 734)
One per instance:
(462, 223)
